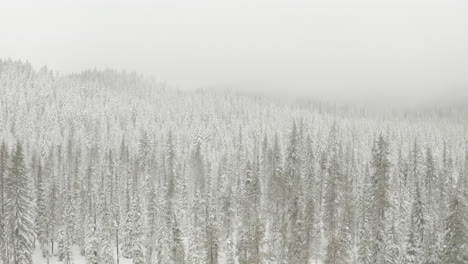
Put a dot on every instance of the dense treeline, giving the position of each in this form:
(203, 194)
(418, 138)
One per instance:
(116, 164)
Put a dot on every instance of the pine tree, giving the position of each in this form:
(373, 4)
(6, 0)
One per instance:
(127, 232)
(19, 209)
(52, 198)
(276, 182)
(106, 253)
(292, 166)
(137, 231)
(297, 247)
(42, 216)
(61, 244)
(81, 208)
(164, 250)
(455, 249)
(432, 254)
(431, 180)
(3, 224)
(70, 225)
(335, 251)
(230, 252)
(365, 241)
(179, 252)
(91, 241)
(170, 160)
(144, 160)
(67, 255)
(295, 198)
(419, 221)
(138, 257)
(365, 228)
(393, 250)
(332, 198)
(417, 162)
(380, 178)
(212, 243)
(380, 197)
(312, 236)
(64, 246)
(251, 231)
(415, 240)
(198, 168)
(197, 249)
(151, 222)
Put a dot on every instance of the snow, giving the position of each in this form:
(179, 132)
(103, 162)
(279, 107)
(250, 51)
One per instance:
(77, 257)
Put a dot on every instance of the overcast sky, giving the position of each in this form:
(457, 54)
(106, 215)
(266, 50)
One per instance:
(393, 49)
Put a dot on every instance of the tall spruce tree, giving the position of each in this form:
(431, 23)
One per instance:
(42, 215)
(19, 209)
(455, 244)
(380, 197)
(3, 176)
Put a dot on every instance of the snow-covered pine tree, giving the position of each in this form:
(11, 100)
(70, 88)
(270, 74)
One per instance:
(145, 154)
(138, 256)
(170, 166)
(151, 222)
(277, 190)
(332, 195)
(295, 197)
(277, 184)
(67, 254)
(92, 243)
(365, 228)
(197, 236)
(335, 251)
(430, 180)
(106, 252)
(415, 239)
(3, 176)
(137, 230)
(212, 227)
(411, 248)
(455, 244)
(250, 233)
(432, 248)
(179, 248)
(230, 251)
(64, 246)
(52, 202)
(61, 243)
(163, 247)
(380, 197)
(394, 250)
(42, 215)
(180, 216)
(70, 217)
(128, 226)
(292, 165)
(19, 214)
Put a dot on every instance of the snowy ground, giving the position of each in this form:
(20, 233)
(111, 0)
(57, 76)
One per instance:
(77, 258)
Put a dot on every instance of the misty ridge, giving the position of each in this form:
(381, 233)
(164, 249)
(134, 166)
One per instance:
(115, 167)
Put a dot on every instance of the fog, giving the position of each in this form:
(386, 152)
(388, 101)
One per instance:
(366, 50)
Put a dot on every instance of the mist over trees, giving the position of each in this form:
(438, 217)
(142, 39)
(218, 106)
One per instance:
(118, 166)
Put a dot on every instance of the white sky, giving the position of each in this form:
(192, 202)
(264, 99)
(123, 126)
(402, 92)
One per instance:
(394, 49)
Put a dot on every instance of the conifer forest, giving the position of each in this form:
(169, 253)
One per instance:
(112, 167)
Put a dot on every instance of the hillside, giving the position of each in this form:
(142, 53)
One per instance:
(101, 163)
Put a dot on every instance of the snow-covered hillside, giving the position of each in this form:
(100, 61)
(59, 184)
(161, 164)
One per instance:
(106, 164)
